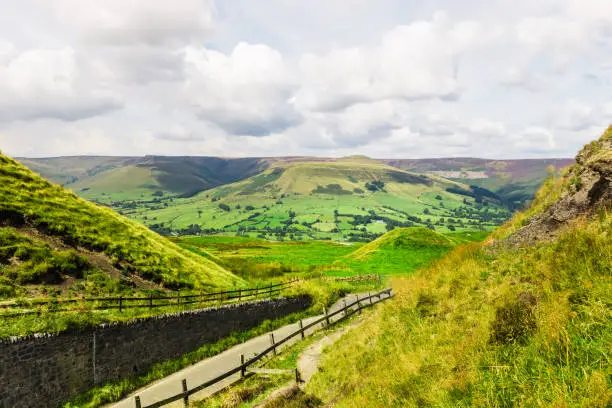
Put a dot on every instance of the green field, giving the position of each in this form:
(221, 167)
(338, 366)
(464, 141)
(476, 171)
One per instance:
(398, 252)
(342, 201)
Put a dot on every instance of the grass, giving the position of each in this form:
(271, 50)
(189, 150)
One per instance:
(489, 325)
(28, 200)
(436, 344)
(400, 251)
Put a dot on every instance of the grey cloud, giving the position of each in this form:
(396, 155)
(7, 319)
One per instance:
(66, 110)
(250, 125)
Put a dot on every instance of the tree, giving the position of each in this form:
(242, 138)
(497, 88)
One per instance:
(199, 213)
(225, 207)
(426, 211)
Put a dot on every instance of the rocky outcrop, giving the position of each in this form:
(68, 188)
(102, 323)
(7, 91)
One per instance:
(587, 189)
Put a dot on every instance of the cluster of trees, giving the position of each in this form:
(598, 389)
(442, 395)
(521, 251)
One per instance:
(376, 185)
(477, 193)
(333, 189)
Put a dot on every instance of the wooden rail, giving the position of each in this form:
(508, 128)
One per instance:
(129, 302)
(345, 312)
(372, 277)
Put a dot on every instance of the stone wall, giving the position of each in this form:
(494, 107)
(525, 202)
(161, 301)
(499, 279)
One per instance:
(46, 370)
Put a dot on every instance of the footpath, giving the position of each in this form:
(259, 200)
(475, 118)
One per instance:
(214, 366)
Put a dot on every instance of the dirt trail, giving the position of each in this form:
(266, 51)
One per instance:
(309, 360)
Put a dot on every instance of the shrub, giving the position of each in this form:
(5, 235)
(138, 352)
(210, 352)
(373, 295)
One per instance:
(514, 321)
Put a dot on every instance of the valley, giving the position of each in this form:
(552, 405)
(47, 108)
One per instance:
(353, 199)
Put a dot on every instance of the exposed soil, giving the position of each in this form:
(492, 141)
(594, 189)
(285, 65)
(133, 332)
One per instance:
(98, 260)
(589, 190)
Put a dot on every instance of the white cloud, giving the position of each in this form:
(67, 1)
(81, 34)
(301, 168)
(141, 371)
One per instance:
(50, 84)
(411, 62)
(128, 22)
(246, 92)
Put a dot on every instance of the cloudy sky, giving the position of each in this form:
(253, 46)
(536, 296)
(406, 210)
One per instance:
(385, 78)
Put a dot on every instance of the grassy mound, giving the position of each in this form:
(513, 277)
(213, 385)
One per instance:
(399, 251)
(402, 239)
(496, 324)
(44, 228)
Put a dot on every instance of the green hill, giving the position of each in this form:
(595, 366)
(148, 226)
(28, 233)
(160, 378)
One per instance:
(523, 319)
(515, 181)
(345, 200)
(50, 236)
(104, 178)
(400, 251)
(402, 239)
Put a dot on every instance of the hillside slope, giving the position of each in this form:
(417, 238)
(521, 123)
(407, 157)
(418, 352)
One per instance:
(399, 251)
(515, 181)
(119, 181)
(143, 178)
(509, 322)
(354, 199)
(48, 235)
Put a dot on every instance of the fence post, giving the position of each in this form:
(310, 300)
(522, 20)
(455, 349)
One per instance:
(120, 303)
(297, 376)
(326, 316)
(185, 393)
(270, 294)
(178, 298)
(151, 301)
(239, 295)
(345, 311)
(242, 367)
(201, 297)
(301, 328)
(137, 402)
(358, 305)
(273, 343)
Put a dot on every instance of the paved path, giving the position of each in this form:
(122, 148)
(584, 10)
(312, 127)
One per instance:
(214, 366)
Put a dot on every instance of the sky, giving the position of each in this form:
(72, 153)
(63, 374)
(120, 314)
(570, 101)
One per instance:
(383, 78)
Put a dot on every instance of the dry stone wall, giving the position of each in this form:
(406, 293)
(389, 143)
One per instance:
(46, 370)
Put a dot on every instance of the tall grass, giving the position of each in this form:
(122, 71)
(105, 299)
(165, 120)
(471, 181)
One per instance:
(488, 326)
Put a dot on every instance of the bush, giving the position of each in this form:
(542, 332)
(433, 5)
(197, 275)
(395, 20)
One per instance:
(225, 207)
(514, 321)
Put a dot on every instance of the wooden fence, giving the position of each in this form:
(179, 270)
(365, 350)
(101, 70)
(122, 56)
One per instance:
(345, 312)
(127, 302)
(368, 278)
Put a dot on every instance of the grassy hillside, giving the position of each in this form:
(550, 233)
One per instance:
(107, 178)
(345, 200)
(523, 319)
(400, 251)
(50, 236)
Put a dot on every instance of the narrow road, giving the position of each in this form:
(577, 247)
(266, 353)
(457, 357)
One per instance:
(214, 366)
